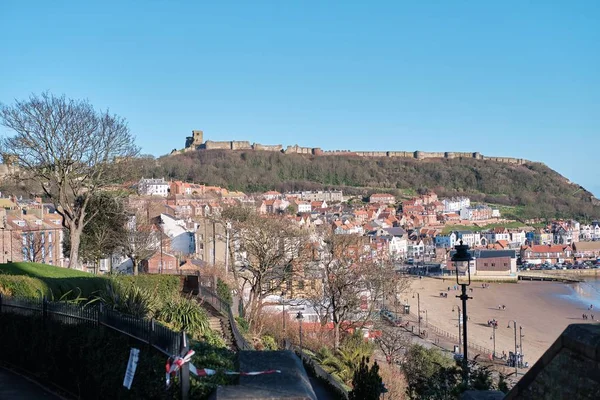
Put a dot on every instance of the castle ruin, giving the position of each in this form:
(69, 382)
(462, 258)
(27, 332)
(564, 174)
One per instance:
(195, 142)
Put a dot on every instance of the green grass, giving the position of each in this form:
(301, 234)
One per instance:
(475, 228)
(37, 270)
(53, 282)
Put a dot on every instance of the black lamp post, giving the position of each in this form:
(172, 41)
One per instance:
(461, 260)
(515, 355)
(418, 311)
(283, 311)
(494, 327)
(300, 317)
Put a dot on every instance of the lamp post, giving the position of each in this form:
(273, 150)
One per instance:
(458, 310)
(461, 260)
(521, 341)
(515, 355)
(494, 327)
(283, 311)
(426, 321)
(418, 311)
(300, 317)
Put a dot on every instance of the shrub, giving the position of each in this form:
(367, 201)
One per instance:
(162, 287)
(223, 291)
(269, 342)
(366, 383)
(22, 286)
(242, 324)
(185, 314)
(128, 299)
(213, 339)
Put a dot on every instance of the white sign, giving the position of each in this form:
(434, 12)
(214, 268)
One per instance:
(134, 356)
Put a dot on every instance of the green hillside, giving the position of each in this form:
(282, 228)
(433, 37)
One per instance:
(531, 191)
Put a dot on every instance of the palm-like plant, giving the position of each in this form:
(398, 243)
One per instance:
(185, 314)
(128, 299)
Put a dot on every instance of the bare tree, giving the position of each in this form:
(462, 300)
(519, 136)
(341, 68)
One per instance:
(33, 243)
(143, 240)
(68, 148)
(345, 263)
(266, 249)
(392, 342)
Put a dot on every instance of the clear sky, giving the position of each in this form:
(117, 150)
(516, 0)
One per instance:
(509, 78)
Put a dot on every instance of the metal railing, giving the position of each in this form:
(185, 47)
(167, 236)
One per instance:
(455, 338)
(147, 331)
(224, 308)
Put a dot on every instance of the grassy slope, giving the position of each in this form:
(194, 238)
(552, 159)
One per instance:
(28, 279)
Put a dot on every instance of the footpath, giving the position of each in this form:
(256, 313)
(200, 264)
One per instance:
(16, 387)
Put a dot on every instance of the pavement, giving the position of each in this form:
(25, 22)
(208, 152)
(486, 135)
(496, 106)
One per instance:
(17, 387)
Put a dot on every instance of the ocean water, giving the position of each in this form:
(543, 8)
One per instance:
(584, 294)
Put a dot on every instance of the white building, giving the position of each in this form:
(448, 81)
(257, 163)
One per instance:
(470, 238)
(153, 187)
(304, 207)
(456, 204)
(182, 240)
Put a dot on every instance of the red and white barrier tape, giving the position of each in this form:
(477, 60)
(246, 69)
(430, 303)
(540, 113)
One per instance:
(174, 364)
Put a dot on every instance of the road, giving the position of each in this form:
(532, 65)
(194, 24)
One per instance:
(15, 387)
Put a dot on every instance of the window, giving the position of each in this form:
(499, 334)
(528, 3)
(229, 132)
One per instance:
(493, 264)
(485, 264)
(505, 264)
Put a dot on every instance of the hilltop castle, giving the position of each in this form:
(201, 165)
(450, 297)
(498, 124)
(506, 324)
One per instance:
(195, 142)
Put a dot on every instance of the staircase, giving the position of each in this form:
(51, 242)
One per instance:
(220, 325)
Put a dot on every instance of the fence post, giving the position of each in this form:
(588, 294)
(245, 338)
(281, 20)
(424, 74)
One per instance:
(151, 331)
(44, 309)
(185, 368)
(98, 317)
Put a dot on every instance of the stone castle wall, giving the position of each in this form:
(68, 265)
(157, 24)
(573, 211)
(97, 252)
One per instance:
(194, 142)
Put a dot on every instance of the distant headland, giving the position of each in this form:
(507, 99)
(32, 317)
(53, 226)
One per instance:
(196, 142)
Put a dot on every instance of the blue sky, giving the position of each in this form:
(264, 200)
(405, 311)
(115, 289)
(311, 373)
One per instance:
(510, 78)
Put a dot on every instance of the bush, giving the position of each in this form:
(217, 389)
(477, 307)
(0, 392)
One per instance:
(185, 314)
(269, 342)
(224, 291)
(23, 286)
(242, 324)
(128, 299)
(162, 287)
(366, 383)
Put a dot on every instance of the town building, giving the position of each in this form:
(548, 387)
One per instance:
(153, 187)
(455, 204)
(382, 198)
(550, 253)
(586, 250)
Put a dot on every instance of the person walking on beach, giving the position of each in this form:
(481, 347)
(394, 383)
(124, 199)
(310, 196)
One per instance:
(592, 316)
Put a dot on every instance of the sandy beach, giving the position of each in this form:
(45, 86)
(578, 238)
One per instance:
(536, 306)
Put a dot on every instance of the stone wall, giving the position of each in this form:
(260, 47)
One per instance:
(195, 142)
(267, 147)
(240, 145)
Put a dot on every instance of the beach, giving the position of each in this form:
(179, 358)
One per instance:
(542, 309)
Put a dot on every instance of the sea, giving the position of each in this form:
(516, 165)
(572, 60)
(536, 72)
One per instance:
(584, 293)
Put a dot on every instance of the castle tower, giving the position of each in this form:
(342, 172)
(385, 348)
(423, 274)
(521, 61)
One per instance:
(195, 140)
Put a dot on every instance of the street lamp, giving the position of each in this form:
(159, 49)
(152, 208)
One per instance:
(283, 311)
(418, 310)
(515, 355)
(459, 322)
(461, 260)
(494, 327)
(300, 317)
